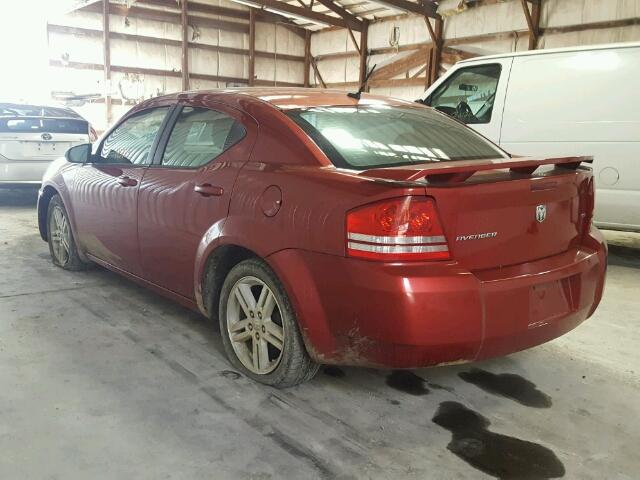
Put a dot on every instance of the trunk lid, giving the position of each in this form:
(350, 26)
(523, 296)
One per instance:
(504, 212)
(40, 138)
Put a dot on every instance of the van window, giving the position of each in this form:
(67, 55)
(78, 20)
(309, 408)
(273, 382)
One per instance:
(469, 94)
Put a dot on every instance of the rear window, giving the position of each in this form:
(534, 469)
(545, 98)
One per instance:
(36, 111)
(48, 125)
(381, 136)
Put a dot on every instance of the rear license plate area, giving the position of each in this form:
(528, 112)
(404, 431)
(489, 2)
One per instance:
(548, 301)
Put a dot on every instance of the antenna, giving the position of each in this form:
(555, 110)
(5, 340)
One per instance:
(357, 94)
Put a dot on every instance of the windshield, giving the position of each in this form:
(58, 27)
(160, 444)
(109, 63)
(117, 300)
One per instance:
(382, 136)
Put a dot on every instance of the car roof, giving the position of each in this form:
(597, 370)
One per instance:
(607, 46)
(32, 110)
(286, 98)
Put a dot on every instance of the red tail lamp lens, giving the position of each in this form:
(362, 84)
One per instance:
(405, 228)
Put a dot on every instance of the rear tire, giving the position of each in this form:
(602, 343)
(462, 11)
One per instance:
(259, 327)
(62, 246)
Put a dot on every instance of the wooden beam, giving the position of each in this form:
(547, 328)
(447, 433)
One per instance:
(533, 21)
(426, 8)
(346, 15)
(447, 51)
(106, 60)
(393, 82)
(195, 7)
(317, 72)
(307, 57)
(536, 8)
(165, 73)
(353, 40)
(402, 65)
(621, 23)
(261, 15)
(86, 32)
(364, 35)
(432, 33)
(283, 8)
(184, 15)
(168, 16)
(252, 46)
(436, 52)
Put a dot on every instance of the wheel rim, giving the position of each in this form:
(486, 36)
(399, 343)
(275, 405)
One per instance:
(255, 326)
(60, 235)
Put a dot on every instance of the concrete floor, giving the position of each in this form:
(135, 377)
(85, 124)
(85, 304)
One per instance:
(100, 378)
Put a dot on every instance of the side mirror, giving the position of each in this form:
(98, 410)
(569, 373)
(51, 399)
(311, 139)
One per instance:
(79, 153)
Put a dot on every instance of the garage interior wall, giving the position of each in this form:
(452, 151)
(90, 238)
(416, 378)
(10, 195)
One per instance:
(146, 53)
(143, 68)
(492, 27)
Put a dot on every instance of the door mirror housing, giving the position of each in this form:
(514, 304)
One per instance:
(79, 153)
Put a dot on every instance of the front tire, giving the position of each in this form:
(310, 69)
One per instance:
(259, 327)
(62, 246)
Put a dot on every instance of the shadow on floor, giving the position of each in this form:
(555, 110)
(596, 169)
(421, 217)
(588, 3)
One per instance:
(624, 256)
(22, 197)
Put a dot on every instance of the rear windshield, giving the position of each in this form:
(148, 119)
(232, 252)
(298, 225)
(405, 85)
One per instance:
(36, 111)
(382, 136)
(48, 125)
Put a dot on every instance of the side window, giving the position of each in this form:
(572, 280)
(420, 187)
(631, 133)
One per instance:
(469, 94)
(131, 141)
(199, 136)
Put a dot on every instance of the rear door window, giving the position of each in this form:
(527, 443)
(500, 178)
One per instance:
(199, 136)
(379, 136)
(469, 94)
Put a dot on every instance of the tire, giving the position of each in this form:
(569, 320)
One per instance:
(62, 246)
(254, 334)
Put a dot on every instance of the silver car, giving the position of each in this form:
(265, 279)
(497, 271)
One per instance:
(32, 136)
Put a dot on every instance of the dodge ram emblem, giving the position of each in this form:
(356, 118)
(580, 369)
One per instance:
(541, 213)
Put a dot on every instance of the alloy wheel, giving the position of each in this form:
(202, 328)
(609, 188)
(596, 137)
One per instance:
(255, 326)
(60, 235)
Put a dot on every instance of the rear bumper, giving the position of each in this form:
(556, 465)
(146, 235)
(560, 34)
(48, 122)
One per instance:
(359, 312)
(27, 172)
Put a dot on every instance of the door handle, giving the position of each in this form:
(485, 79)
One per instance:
(127, 181)
(208, 190)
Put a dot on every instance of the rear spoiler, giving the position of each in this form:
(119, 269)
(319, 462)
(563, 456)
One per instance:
(459, 171)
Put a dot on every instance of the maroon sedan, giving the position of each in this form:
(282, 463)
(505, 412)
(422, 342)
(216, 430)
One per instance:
(321, 228)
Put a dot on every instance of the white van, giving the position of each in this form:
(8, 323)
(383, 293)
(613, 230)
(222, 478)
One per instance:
(572, 101)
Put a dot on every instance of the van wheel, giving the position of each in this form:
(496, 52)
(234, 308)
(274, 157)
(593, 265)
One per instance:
(259, 327)
(62, 246)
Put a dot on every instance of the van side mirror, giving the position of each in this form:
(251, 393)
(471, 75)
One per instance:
(79, 153)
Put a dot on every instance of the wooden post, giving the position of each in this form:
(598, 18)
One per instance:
(535, 17)
(533, 21)
(106, 53)
(363, 52)
(307, 57)
(436, 52)
(185, 44)
(252, 46)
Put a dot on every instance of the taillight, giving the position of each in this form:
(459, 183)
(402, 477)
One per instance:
(405, 228)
